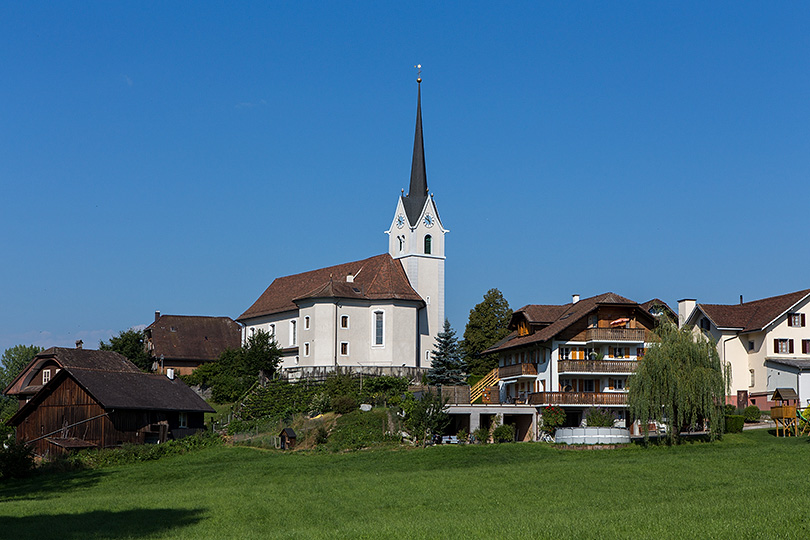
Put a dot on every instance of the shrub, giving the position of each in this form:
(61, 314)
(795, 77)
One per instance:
(462, 436)
(504, 433)
(359, 429)
(481, 435)
(16, 460)
(553, 417)
(734, 423)
(752, 413)
(344, 404)
(729, 409)
(320, 404)
(321, 435)
(599, 417)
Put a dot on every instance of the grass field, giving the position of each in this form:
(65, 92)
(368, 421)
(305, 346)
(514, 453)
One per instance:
(750, 485)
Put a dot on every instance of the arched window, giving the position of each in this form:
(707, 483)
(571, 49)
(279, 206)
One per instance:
(428, 245)
(401, 243)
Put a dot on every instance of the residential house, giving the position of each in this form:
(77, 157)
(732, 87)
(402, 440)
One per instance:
(183, 343)
(754, 339)
(379, 314)
(576, 355)
(98, 399)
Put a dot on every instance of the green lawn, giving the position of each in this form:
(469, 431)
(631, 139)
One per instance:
(747, 486)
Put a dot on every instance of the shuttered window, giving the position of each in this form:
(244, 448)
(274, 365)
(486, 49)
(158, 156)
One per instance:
(783, 346)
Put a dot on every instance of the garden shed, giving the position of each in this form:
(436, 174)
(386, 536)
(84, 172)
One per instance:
(288, 437)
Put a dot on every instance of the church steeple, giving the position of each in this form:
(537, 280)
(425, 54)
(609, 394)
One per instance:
(414, 201)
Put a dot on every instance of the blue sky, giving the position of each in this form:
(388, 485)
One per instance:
(179, 156)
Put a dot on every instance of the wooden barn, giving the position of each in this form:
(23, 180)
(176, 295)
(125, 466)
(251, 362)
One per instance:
(86, 407)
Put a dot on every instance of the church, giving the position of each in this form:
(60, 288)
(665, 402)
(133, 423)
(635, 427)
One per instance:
(377, 315)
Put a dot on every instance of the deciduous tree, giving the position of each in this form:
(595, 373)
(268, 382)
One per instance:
(487, 325)
(680, 381)
(12, 362)
(130, 344)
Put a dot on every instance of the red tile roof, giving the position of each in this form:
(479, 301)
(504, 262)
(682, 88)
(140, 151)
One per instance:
(563, 316)
(191, 337)
(752, 316)
(376, 278)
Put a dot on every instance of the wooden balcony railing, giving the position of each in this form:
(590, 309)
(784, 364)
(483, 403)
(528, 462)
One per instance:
(578, 398)
(615, 334)
(517, 370)
(597, 366)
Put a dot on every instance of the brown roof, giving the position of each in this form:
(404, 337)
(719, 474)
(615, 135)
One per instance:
(567, 314)
(192, 338)
(649, 304)
(69, 358)
(752, 316)
(123, 390)
(376, 278)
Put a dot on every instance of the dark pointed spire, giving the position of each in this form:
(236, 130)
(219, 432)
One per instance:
(418, 190)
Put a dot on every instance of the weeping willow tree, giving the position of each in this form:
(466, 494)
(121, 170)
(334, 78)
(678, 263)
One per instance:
(680, 381)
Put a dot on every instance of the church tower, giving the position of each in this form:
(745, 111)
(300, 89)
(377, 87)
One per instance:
(416, 238)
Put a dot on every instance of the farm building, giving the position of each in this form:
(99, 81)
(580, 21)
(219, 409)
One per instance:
(95, 399)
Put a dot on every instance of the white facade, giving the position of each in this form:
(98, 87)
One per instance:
(785, 336)
(420, 249)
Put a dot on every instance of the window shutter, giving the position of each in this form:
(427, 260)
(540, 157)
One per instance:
(790, 319)
(802, 319)
(610, 352)
(790, 346)
(610, 384)
(775, 346)
(804, 346)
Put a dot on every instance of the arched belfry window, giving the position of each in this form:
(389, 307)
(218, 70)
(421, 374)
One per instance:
(428, 245)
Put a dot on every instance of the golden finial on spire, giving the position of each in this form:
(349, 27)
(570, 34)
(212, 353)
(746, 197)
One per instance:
(418, 73)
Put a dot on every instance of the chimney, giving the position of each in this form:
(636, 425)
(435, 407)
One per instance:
(350, 279)
(574, 298)
(157, 315)
(741, 300)
(79, 343)
(685, 308)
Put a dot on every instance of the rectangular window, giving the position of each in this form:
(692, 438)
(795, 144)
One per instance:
(618, 352)
(783, 346)
(182, 420)
(293, 333)
(344, 348)
(640, 352)
(565, 353)
(592, 321)
(618, 384)
(379, 328)
(565, 385)
(750, 345)
(46, 376)
(795, 319)
(589, 385)
(751, 371)
(806, 346)
(306, 348)
(272, 330)
(306, 323)
(344, 321)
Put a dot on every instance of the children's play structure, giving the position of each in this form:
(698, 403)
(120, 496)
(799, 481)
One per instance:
(789, 419)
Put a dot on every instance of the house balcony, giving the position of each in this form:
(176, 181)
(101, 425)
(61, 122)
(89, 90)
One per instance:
(597, 366)
(634, 335)
(517, 370)
(585, 399)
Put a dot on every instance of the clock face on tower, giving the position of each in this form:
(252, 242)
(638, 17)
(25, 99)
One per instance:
(428, 221)
(400, 221)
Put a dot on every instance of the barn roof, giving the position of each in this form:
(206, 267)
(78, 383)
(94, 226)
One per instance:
(123, 390)
(192, 337)
(69, 358)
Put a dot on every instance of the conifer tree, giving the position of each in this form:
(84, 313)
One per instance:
(448, 368)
